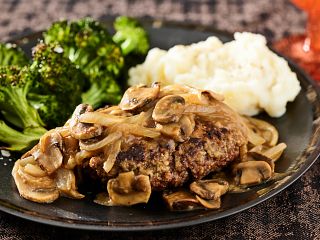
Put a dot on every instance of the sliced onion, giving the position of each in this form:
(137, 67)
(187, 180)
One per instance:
(254, 138)
(100, 118)
(112, 156)
(268, 131)
(83, 154)
(141, 118)
(137, 130)
(111, 138)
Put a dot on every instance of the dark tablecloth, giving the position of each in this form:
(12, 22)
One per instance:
(292, 214)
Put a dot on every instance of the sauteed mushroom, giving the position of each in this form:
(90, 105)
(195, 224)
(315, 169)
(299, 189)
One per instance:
(213, 95)
(169, 109)
(138, 96)
(251, 172)
(49, 155)
(128, 189)
(210, 189)
(178, 131)
(66, 183)
(80, 130)
(172, 130)
(187, 125)
(180, 200)
(70, 149)
(33, 184)
(210, 204)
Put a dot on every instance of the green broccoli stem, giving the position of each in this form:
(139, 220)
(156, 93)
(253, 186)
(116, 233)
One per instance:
(18, 141)
(26, 115)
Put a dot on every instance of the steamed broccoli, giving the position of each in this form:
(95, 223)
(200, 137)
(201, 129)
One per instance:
(131, 36)
(56, 84)
(89, 45)
(11, 55)
(17, 111)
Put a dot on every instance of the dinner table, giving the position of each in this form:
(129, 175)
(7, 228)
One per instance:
(294, 213)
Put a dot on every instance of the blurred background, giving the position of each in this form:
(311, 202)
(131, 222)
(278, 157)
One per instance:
(274, 19)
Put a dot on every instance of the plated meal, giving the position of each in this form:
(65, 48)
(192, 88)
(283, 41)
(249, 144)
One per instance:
(183, 129)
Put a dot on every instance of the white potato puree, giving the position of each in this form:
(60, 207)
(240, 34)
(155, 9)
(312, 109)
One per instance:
(250, 76)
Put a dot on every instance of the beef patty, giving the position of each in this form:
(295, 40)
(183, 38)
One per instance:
(170, 163)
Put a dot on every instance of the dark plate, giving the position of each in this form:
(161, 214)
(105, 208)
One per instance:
(299, 128)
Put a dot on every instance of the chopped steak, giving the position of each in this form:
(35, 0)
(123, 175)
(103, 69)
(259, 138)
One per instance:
(170, 163)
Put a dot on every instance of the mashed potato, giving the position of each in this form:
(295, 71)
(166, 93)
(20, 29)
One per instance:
(250, 76)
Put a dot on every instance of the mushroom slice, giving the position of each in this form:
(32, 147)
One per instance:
(180, 131)
(81, 130)
(259, 156)
(180, 200)
(66, 183)
(212, 95)
(172, 130)
(195, 98)
(169, 109)
(70, 149)
(187, 124)
(49, 155)
(138, 96)
(210, 189)
(34, 170)
(275, 152)
(210, 204)
(33, 193)
(251, 172)
(112, 156)
(127, 189)
(44, 182)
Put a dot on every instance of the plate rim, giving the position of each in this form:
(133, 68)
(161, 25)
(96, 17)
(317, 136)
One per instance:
(74, 224)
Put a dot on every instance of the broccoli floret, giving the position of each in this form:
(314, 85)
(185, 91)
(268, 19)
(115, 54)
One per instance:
(13, 99)
(49, 109)
(89, 45)
(56, 84)
(17, 111)
(131, 36)
(10, 55)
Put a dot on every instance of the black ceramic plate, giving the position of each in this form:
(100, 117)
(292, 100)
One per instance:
(299, 128)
